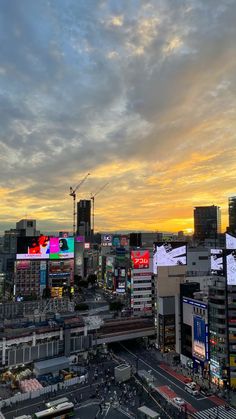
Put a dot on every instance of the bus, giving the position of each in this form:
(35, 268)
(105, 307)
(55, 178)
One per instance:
(61, 411)
(56, 402)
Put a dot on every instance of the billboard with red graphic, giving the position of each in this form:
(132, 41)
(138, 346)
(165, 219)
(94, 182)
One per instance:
(140, 259)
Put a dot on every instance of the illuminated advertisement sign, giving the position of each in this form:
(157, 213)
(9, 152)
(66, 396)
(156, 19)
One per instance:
(56, 292)
(124, 241)
(64, 234)
(106, 240)
(43, 275)
(231, 267)
(199, 338)
(44, 248)
(61, 248)
(33, 247)
(230, 241)
(23, 264)
(215, 368)
(80, 239)
(116, 241)
(169, 254)
(140, 259)
(217, 262)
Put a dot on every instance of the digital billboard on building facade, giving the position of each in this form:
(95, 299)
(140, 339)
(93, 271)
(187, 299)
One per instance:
(231, 267)
(199, 338)
(43, 247)
(217, 262)
(140, 259)
(230, 241)
(61, 248)
(33, 247)
(169, 254)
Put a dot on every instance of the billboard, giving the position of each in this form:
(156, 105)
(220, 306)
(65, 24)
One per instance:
(230, 241)
(217, 262)
(61, 248)
(33, 247)
(140, 259)
(21, 265)
(106, 240)
(199, 338)
(80, 239)
(116, 241)
(231, 267)
(169, 254)
(124, 240)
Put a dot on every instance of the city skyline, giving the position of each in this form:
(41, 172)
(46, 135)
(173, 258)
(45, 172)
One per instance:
(139, 94)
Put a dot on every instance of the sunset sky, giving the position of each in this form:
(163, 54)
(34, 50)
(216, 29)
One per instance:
(141, 94)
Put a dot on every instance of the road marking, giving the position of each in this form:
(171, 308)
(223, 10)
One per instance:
(163, 376)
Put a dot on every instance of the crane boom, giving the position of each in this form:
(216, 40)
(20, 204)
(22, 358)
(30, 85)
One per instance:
(73, 194)
(93, 205)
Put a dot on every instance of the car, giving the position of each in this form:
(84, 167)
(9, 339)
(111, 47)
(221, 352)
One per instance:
(191, 388)
(178, 401)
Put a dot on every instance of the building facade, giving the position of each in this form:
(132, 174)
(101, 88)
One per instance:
(207, 222)
(84, 218)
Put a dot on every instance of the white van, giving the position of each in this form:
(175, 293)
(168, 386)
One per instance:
(191, 388)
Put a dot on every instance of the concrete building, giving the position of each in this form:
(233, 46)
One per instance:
(84, 218)
(167, 291)
(218, 332)
(207, 222)
(141, 288)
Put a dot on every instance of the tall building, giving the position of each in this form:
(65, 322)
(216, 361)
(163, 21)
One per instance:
(207, 222)
(84, 218)
(232, 215)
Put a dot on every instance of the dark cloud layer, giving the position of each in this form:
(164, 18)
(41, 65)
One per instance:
(115, 88)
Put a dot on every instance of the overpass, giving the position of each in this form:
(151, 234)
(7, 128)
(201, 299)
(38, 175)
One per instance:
(125, 329)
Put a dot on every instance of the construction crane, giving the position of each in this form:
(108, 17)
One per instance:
(73, 194)
(92, 199)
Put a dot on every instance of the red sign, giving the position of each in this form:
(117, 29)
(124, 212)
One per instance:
(140, 259)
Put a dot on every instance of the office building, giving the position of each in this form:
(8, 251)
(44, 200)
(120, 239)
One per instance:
(84, 218)
(207, 222)
(232, 215)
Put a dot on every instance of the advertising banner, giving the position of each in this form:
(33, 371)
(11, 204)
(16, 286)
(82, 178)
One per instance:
(61, 248)
(169, 254)
(106, 240)
(140, 259)
(43, 247)
(217, 262)
(230, 241)
(33, 247)
(231, 267)
(199, 338)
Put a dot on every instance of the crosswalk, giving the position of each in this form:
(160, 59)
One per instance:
(218, 412)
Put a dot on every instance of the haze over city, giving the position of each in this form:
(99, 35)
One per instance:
(141, 94)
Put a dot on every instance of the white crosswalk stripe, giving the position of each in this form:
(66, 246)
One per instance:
(216, 412)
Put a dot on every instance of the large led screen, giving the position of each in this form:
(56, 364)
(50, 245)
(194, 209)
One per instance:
(169, 254)
(140, 259)
(33, 247)
(217, 262)
(230, 241)
(231, 267)
(199, 338)
(61, 248)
